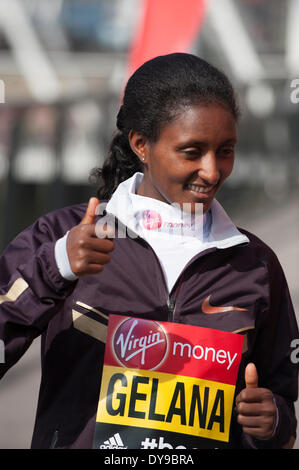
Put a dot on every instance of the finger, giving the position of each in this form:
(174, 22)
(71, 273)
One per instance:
(90, 214)
(257, 425)
(250, 395)
(105, 227)
(251, 421)
(90, 231)
(256, 409)
(251, 377)
(249, 409)
(104, 245)
(97, 258)
(259, 432)
(95, 268)
(254, 395)
(104, 231)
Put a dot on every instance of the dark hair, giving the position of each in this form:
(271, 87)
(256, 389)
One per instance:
(154, 96)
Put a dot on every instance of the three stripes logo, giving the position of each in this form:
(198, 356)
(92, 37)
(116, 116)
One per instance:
(114, 442)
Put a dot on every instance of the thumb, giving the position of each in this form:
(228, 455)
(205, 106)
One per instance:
(251, 377)
(91, 211)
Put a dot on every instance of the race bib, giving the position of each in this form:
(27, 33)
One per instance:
(166, 386)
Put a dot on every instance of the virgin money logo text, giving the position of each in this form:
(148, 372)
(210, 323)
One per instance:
(151, 220)
(140, 344)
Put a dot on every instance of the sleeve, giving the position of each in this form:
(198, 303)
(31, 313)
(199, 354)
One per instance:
(62, 259)
(31, 289)
(278, 371)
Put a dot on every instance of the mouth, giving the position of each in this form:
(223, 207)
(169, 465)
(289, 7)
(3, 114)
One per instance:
(201, 192)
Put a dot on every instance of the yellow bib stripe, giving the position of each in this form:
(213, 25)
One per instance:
(156, 400)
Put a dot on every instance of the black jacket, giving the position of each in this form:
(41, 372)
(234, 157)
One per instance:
(72, 317)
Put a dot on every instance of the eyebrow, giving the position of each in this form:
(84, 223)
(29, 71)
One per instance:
(200, 143)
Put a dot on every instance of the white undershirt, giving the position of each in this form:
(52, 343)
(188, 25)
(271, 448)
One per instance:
(176, 240)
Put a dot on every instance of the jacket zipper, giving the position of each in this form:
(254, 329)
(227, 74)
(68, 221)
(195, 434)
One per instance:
(54, 439)
(171, 308)
(170, 299)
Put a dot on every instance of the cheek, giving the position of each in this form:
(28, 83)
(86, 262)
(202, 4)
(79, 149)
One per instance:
(227, 168)
(166, 169)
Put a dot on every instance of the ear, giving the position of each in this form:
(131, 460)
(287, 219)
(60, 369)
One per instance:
(138, 144)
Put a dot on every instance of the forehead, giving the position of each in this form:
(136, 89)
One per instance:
(210, 121)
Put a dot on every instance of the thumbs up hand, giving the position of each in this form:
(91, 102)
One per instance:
(87, 252)
(256, 407)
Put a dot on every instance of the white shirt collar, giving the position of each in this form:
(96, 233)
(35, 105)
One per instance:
(223, 232)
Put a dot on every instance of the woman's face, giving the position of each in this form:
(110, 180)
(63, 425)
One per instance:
(192, 157)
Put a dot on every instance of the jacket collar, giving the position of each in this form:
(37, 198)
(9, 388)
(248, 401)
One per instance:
(223, 232)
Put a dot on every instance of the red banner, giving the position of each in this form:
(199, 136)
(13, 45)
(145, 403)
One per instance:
(166, 26)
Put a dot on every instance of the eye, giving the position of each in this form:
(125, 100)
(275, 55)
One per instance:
(192, 153)
(227, 151)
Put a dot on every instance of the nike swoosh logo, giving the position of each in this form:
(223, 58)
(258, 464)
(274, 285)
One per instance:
(210, 309)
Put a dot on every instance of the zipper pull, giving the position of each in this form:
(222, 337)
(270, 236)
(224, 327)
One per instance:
(171, 307)
(54, 440)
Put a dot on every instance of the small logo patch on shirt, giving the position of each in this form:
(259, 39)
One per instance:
(151, 220)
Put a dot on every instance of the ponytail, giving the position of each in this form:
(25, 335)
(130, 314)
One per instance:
(120, 164)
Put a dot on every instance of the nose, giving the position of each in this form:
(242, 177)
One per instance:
(208, 170)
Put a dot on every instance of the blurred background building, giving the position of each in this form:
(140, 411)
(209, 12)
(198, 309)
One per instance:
(63, 65)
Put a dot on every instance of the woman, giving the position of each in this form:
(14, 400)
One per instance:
(62, 277)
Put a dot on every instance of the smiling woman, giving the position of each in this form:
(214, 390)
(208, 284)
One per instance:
(170, 94)
(174, 146)
(192, 157)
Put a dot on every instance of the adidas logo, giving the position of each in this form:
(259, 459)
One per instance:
(113, 442)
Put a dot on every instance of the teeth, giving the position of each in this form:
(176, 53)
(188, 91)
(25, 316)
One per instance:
(199, 189)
